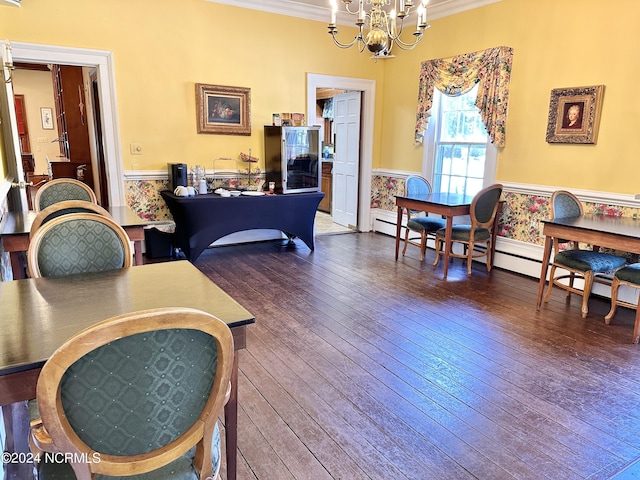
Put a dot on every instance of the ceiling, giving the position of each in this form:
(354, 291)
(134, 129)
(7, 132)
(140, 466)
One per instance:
(320, 10)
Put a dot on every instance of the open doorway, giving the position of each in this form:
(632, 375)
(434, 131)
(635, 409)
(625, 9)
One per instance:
(65, 139)
(367, 87)
(101, 65)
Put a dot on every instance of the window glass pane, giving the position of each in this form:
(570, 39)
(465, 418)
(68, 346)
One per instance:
(473, 186)
(445, 152)
(450, 126)
(459, 166)
(443, 183)
(461, 141)
(457, 185)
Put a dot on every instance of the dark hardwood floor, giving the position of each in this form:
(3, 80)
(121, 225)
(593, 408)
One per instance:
(361, 367)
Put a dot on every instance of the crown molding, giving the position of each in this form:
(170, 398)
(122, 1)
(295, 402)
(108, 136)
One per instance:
(321, 13)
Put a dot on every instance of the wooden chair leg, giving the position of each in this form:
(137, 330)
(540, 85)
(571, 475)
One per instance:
(614, 302)
(588, 284)
(469, 258)
(636, 327)
(572, 277)
(423, 244)
(551, 275)
(489, 265)
(438, 248)
(406, 241)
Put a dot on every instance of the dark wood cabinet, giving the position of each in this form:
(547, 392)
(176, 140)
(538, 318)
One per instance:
(77, 170)
(327, 181)
(73, 128)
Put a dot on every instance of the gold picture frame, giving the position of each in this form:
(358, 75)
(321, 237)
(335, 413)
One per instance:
(574, 114)
(223, 110)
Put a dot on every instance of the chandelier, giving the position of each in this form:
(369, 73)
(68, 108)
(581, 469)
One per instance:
(379, 30)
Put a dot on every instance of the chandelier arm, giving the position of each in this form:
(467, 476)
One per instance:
(346, 7)
(408, 46)
(358, 38)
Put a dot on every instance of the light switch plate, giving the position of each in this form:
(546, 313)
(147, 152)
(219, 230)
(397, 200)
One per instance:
(136, 149)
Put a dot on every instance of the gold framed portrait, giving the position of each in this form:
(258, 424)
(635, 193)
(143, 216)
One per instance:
(574, 114)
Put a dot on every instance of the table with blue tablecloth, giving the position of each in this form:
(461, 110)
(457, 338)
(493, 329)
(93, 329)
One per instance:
(203, 219)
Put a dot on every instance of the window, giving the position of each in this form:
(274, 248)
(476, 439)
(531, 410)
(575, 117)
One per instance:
(458, 155)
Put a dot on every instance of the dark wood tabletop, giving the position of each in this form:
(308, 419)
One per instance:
(39, 315)
(15, 228)
(608, 228)
(439, 199)
(17, 223)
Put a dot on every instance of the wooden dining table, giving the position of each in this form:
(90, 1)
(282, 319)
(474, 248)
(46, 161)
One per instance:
(39, 315)
(448, 205)
(618, 233)
(15, 228)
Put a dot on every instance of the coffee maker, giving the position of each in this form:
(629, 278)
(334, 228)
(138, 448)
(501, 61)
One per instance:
(177, 175)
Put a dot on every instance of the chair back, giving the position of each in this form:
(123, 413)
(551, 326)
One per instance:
(61, 189)
(63, 208)
(565, 204)
(78, 243)
(141, 390)
(485, 205)
(416, 186)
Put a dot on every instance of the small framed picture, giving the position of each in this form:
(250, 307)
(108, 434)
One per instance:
(224, 110)
(574, 114)
(47, 118)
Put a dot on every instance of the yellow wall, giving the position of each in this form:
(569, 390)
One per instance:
(556, 44)
(37, 88)
(163, 47)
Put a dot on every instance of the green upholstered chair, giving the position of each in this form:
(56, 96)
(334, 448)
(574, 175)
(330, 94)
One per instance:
(78, 243)
(585, 264)
(136, 396)
(63, 208)
(422, 225)
(483, 211)
(61, 189)
(630, 276)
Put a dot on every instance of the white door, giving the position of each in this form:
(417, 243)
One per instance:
(346, 160)
(10, 129)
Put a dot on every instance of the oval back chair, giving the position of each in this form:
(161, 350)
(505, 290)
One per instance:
(61, 189)
(584, 264)
(483, 211)
(63, 208)
(78, 243)
(136, 394)
(423, 225)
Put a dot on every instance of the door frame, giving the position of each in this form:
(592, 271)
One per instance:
(102, 61)
(368, 89)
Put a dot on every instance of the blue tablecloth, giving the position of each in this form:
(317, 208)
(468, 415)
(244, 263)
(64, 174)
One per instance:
(203, 219)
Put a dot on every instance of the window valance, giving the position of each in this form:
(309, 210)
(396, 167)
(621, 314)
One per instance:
(457, 75)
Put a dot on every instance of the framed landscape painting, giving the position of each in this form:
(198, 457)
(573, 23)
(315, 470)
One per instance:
(574, 114)
(223, 110)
